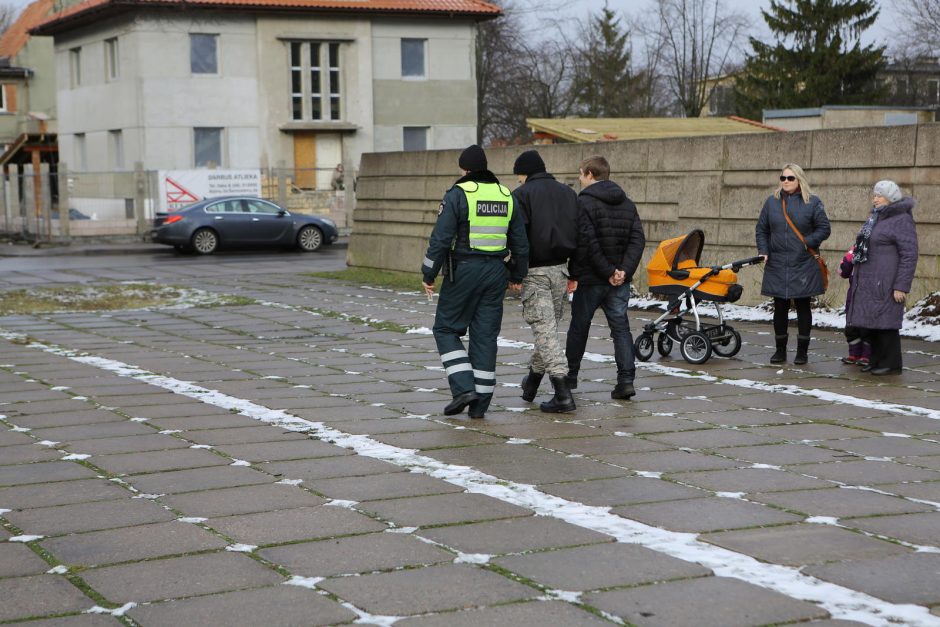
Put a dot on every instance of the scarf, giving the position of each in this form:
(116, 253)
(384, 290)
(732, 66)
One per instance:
(864, 235)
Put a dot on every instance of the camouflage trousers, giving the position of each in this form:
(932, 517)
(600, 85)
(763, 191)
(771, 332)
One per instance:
(543, 305)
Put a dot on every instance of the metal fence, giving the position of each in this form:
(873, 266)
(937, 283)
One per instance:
(122, 205)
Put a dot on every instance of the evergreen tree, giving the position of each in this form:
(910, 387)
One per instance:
(605, 85)
(817, 58)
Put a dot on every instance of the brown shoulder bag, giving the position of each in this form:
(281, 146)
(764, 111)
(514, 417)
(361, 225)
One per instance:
(823, 269)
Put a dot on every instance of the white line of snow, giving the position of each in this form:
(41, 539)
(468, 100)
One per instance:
(841, 602)
(823, 395)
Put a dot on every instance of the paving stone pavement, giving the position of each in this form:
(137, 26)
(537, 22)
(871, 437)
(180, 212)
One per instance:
(239, 465)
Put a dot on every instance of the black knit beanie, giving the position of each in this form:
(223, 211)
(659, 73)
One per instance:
(472, 159)
(528, 163)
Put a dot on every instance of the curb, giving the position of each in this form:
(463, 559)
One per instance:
(25, 250)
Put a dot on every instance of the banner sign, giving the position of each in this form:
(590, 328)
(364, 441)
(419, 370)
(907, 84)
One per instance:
(179, 188)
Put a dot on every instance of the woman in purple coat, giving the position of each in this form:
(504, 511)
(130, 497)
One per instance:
(885, 259)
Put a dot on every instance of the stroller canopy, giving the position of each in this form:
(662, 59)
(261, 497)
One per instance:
(672, 252)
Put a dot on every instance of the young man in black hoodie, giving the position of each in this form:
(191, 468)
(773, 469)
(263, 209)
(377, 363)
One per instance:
(550, 210)
(477, 227)
(610, 245)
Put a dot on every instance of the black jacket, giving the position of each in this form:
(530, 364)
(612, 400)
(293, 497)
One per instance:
(550, 210)
(610, 234)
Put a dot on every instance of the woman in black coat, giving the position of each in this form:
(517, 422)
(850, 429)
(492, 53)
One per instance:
(884, 263)
(790, 271)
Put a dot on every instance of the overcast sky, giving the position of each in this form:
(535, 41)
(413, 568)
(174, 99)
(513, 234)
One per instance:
(752, 8)
(576, 9)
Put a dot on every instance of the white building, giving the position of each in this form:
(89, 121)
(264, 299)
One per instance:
(304, 84)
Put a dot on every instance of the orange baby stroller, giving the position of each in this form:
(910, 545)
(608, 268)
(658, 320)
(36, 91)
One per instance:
(674, 272)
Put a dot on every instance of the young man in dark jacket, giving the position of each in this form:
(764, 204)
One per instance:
(550, 210)
(610, 245)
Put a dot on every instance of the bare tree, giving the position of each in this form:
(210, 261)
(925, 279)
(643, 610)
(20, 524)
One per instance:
(919, 24)
(698, 39)
(524, 69)
(8, 14)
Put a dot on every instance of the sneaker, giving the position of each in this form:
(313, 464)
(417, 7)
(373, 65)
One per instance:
(851, 359)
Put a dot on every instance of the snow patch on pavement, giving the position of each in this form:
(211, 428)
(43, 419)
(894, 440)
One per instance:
(120, 611)
(841, 602)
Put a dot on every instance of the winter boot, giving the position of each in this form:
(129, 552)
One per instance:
(781, 353)
(624, 390)
(855, 354)
(865, 358)
(802, 347)
(562, 402)
(571, 379)
(530, 385)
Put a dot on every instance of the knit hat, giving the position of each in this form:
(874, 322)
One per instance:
(529, 162)
(472, 159)
(888, 190)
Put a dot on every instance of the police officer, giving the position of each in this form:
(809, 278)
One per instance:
(550, 210)
(476, 230)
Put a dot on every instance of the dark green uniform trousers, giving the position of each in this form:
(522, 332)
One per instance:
(474, 301)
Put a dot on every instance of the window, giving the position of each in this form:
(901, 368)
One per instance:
(315, 89)
(933, 91)
(81, 152)
(111, 67)
(116, 148)
(203, 53)
(258, 206)
(415, 138)
(412, 57)
(901, 86)
(3, 97)
(75, 66)
(207, 147)
(228, 206)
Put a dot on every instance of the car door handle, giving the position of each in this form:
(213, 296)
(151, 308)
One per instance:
(255, 219)
(220, 217)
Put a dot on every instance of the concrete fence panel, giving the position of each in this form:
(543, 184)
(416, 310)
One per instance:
(717, 184)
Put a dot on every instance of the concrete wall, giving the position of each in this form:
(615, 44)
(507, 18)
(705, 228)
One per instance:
(717, 184)
(846, 118)
(444, 99)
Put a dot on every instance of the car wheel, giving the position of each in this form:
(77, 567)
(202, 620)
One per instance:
(205, 241)
(309, 239)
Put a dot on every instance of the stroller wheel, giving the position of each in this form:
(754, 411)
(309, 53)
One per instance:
(730, 346)
(696, 347)
(643, 346)
(664, 344)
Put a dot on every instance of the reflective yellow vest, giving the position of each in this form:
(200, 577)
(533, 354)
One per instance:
(490, 207)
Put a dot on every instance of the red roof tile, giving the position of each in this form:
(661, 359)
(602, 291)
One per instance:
(16, 36)
(472, 8)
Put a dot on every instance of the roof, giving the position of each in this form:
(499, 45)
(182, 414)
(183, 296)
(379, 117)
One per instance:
(91, 10)
(815, 112)
(16, 36)
(611, 129)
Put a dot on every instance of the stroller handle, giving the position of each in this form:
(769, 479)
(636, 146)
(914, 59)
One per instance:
(740, 263)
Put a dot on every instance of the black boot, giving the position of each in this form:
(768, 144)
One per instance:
(530, 385)
(781, 353)
(624, 390)
(562, 402)
(572, 380)
(802, 348)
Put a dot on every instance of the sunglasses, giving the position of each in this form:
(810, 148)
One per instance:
(790, 178)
